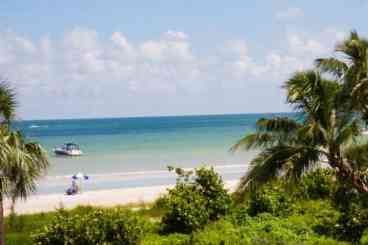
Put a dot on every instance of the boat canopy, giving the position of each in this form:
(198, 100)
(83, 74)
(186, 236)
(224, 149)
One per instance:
(71, 146)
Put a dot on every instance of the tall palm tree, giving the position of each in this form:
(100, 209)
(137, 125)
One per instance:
(323, 131)
(350, 67)
(21, 162)
(7, 103)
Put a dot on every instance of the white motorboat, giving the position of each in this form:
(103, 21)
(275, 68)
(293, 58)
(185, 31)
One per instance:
(68, 149)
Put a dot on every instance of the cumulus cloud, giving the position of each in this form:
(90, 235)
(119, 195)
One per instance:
(83, 67)
(299, 52)
(81, 57)
(290, 13)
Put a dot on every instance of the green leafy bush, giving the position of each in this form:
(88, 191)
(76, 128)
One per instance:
(221, 233)
(270, 199)
(211, 187)
(352, 224)
(239, 215)
(261, 229)
(320, 183)
(169, 239)
(364, 239)
(99, 226)
(186, 210)
(196, 199)
(353, 207)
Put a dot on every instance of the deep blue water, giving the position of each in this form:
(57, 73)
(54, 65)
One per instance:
(137, 125)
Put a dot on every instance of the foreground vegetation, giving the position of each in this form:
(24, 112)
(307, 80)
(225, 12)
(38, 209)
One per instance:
(316, 211)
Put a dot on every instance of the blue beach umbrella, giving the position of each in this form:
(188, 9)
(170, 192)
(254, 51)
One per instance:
(80, 176)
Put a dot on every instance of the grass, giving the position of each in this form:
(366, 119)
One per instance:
(19, 228)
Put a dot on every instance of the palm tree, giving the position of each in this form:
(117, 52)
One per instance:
(7, 103)
(322, 131)
(351, 69)
(21, 162)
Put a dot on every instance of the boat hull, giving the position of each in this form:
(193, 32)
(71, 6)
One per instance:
(67, 153)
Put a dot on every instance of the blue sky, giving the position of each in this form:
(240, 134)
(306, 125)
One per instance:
(113, 58)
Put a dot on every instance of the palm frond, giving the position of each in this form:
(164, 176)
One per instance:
(347, 130)
(354, 48)
(263, 168)
(252, 141)
(282, 125)
(21, 163)
(277, 161)
(270, 132)
(332, 65)
(7, 102)
(314, 96)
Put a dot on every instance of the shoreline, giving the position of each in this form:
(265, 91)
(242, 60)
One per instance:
(102, 198)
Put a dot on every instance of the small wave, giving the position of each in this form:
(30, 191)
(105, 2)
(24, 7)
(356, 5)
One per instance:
(153, 173)
(38, 126)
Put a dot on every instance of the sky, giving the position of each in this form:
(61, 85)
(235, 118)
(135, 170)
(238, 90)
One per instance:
(89, 58)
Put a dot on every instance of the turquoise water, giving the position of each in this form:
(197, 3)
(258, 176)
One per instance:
(122, 152)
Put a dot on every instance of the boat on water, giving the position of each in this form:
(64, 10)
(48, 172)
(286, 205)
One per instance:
(68, 149)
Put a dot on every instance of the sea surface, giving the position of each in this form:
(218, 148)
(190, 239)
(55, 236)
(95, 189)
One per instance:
(133, 152)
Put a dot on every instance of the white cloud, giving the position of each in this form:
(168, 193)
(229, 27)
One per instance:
(175, 35)
(83, 67)
(172, 46)
(120, 40)
(290, 13)
(302, 46)
(300, 52)
(237, 62)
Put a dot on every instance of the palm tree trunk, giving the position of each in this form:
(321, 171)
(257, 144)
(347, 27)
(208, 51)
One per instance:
(359, 183)
(2, 228)
(347, 172)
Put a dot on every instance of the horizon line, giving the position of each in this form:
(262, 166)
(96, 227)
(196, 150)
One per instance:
(153, 116)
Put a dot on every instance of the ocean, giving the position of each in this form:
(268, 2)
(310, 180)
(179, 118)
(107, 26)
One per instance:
(133, 152)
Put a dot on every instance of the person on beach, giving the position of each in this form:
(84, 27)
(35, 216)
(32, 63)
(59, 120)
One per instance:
(74, 189)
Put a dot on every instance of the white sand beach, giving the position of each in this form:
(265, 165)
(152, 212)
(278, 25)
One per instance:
(103, 198)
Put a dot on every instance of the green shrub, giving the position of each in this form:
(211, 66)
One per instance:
(160, 203)
(210, 185)
(364, 239)
(271, 198)
(186, 210)
(196, 199)
(97, 226)
(169, 239)
(221, 233)
(239, 216)
(318, 184)
(353, 207)
(325, 222)
(352, 224)
(261, 229)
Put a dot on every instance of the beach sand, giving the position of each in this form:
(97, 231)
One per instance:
(104, 198)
